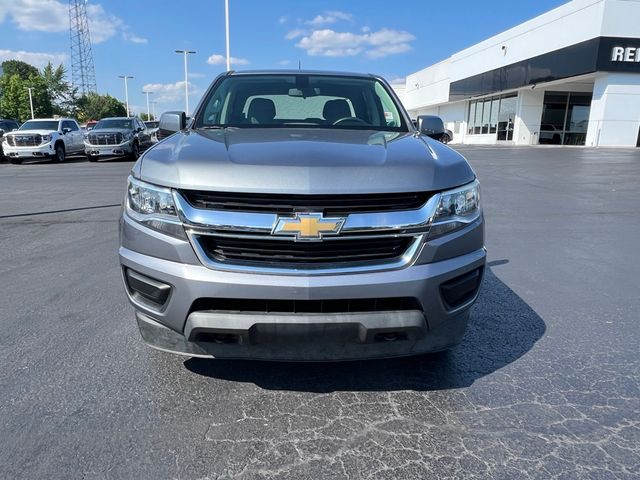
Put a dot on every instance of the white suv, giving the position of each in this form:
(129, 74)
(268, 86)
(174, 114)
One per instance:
(43, 138)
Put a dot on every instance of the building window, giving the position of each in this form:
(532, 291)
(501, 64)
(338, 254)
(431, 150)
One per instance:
(493, 115)
(565, 117)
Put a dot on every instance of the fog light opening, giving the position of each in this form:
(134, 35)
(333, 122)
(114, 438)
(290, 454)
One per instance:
(462, 289)
(147, 290)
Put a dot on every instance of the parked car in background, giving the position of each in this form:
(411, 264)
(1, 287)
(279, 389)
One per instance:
(117, 136)
(6, 125)
(90, 125)
(43, 138)
(152, 126)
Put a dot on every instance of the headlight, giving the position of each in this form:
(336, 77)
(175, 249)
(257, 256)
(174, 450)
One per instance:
(46, 138)
(153, 207)
(127, 136)
(456, 209)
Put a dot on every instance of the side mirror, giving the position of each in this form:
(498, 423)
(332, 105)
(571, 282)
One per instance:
(65, 131)
(171, 122)
(431, 126)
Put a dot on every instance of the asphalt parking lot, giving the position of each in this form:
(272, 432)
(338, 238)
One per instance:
(545, 385)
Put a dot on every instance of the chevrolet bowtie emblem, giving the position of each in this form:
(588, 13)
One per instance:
(308, 226)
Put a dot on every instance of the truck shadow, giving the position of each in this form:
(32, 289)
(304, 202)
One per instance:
(503, 328)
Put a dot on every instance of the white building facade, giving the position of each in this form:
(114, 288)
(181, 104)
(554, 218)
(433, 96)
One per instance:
(570, 76)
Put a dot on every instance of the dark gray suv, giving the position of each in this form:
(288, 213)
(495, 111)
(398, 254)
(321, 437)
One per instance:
(301, 216)
(117, 136)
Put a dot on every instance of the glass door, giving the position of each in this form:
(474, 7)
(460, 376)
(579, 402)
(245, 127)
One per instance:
(565, 118)
(507, 117)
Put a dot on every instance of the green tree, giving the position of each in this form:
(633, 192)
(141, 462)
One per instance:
(15, 97)
(145, 118)
(94, 107)
(62, 94)
(17, 67)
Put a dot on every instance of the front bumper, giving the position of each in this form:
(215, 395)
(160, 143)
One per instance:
(44, 150)
(108, 150)
(177, 325)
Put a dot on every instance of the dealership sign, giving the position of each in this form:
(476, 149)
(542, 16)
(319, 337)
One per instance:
(625, 54)
(617, 54)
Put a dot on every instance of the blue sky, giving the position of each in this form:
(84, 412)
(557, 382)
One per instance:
(139, 37)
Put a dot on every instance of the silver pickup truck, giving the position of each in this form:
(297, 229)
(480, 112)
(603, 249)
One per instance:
(301, 216)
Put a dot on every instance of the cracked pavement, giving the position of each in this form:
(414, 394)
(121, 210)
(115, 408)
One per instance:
(545, 385)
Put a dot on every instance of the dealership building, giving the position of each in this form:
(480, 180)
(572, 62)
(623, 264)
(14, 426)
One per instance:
(570, 76)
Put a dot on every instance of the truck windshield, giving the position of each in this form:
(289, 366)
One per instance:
(300, 100)
(49, 125)
(124, 123)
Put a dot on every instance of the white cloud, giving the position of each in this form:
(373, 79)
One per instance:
(130, 37)
(36, 59)
(282, 20)
(378, 44)
(53, 16)
(284, 62)
(196, 75)
(217, 59)
(298, 32)
(329, 17)
(169, 92)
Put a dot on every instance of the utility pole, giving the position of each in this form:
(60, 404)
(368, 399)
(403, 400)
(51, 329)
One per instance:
(31, 101)
(186, 79)
(126, 90)
(153, 106)
(148, 111)
(226, 20)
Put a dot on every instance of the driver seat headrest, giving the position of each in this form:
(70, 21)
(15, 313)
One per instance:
(335, 110)
(261, 110)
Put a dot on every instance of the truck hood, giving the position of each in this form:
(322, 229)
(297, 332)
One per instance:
(32, 132)
(303, 161)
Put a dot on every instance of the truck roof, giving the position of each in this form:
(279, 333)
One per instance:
(302, 72)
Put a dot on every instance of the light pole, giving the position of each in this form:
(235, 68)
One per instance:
(148, 111)
(226, 24)
(186, 79)
(126, 90)
(153, 106)
(31, 101)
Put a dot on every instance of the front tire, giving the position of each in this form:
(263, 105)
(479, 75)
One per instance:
(135, 151)
(92, 158)
(59, 156)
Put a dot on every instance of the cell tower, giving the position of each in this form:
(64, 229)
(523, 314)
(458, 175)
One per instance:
(83, 74)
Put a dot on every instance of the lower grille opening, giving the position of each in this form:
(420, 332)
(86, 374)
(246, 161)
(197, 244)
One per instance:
(306, 306)
(460, 290)
(219, 338)
(390, 336)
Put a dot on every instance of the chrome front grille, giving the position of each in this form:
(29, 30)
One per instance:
(105, 138)
(371, 238)
(286, 253)
(24, 140)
